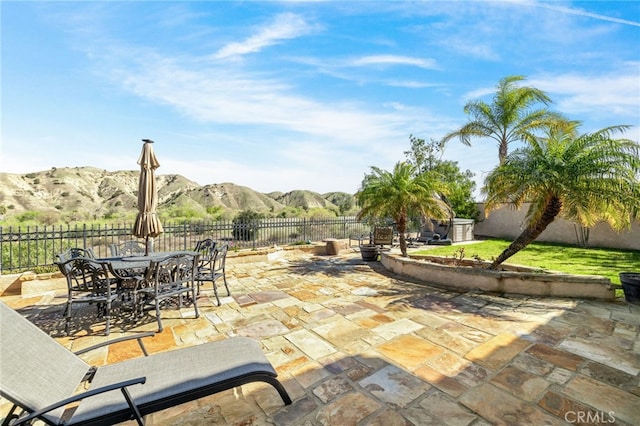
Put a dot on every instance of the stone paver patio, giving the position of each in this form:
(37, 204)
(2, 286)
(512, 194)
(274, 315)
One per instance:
(355, 345)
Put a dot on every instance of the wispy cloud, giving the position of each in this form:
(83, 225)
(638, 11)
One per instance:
(392, 60)
(580, 12)
(282, 27)
(218, 95)
(576, 93)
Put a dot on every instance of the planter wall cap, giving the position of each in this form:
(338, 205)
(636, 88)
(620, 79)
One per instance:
(467, 278)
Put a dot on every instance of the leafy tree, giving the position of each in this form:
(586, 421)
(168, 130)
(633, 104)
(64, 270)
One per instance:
(508, 118)
(584, 178)
(427, 157)
(243, 229)
(460, 186)
(399, 195)
(214, 211)
(343, 200)
(27, 216)
(424, 155)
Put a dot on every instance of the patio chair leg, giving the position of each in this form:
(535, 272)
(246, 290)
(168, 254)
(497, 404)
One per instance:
(12, 415)
(158, 317)
(67, 319)
(107, 318)
(215, 292)
(224, 278)
(195, 302)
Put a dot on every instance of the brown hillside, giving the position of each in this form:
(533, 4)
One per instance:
(93, 192)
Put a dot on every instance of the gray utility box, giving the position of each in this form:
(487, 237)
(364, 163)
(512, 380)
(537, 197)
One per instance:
(462, 231)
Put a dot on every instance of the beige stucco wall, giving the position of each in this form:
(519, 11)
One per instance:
(507, 223)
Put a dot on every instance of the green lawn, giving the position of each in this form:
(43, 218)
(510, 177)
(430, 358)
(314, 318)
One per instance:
(554, 257)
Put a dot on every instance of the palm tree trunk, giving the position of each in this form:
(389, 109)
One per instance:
(531, 232)
(401, 227)
(503, 150)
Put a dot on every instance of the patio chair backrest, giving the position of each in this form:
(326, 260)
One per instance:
(171, 272)
(206, 249)
(36, 371)
(128, 248)
(383, 235)
(74, 252)
(86, 275)
(220, 258)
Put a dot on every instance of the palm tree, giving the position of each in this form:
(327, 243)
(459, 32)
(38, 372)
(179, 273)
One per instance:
(509, 118)
(399, 195)
(583, 178)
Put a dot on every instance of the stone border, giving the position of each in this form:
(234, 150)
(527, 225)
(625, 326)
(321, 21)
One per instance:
(32, 284)
(467, 278)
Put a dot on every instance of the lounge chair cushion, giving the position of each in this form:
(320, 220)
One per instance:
(46, 371)
(176, 374)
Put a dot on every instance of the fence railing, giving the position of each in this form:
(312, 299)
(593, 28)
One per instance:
(34, 246)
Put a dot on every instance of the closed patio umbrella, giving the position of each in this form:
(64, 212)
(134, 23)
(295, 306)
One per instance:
(147, 222)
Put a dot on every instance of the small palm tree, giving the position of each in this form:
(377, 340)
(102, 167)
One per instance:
(399, 195)
(584, 178)
(509, 118)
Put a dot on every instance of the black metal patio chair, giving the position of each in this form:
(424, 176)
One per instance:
(214, 270)
(88, 282)
(169, 280)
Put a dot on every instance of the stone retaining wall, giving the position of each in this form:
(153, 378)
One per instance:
(31, 284)
(467, 278)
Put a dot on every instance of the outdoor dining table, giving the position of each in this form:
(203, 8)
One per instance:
(124, 267)
(130, 271)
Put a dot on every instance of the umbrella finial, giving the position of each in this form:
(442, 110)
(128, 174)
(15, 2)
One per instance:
(147, 141)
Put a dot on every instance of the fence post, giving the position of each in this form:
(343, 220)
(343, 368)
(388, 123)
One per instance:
(254, 227)
(184, 233)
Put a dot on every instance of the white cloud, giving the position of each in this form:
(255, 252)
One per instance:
(217, 95)
(284, 26)
(580, 12)
(393, 60)
(575, 93)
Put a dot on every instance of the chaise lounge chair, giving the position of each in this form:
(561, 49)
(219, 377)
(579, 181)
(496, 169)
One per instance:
(41, 377)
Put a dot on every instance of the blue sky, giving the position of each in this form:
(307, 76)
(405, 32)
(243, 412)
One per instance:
(290, 95)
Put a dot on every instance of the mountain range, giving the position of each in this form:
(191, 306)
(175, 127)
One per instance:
(97, 193)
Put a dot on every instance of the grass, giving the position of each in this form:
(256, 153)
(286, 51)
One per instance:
(553, 257)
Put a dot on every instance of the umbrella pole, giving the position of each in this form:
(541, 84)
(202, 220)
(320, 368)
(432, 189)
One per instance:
(146, 246)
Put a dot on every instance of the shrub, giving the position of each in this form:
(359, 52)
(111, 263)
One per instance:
(243, 225)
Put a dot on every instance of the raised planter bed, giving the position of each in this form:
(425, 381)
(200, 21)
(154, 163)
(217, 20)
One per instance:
(516, 281)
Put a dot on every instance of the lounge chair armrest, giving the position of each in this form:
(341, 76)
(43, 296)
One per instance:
(120, 385)
(139, 337)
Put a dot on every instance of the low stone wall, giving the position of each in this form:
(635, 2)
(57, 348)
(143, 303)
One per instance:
(467, 278)
(273, 253)
(31, 284)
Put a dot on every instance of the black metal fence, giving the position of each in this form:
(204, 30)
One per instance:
(34, 246)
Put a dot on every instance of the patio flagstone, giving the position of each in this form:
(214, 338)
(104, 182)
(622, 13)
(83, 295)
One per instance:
(354, 344)
(605, 398)
(310, 344)
(596, 347)
(394, 386)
